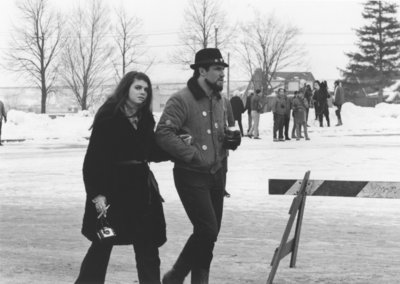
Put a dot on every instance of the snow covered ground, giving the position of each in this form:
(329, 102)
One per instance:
(42, 198)
(383, 119)
(365, 147)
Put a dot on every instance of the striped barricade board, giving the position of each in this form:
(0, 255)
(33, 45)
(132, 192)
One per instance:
(372, 189)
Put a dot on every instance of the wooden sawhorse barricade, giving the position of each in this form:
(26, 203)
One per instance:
(320, 188)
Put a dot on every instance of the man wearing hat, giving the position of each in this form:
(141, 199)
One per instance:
(198, 111)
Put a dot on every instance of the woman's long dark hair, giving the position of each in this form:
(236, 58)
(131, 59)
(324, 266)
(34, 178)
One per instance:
(121, 94)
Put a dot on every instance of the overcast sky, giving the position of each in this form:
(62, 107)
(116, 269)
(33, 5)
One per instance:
(327, 31)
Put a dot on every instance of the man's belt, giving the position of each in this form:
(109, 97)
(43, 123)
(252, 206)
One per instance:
(130, 162)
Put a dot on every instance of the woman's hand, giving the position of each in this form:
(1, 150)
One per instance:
(100, 202)
(186, 138)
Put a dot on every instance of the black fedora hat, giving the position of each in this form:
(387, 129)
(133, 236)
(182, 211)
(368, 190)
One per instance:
(208, 56)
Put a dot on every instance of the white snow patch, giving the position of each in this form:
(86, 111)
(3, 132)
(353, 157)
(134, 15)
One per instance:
(75, 127)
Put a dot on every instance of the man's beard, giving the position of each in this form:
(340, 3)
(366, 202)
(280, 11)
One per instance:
(214, 86)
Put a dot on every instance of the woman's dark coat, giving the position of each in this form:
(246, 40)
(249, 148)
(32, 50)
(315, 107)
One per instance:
(237, 107)
(135, 212)
(321, 100)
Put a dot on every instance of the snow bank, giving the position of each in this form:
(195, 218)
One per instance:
(23, 125)
(390, 93)
(384, 118)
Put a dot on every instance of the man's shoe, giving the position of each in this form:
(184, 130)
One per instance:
(275, 140)
(287, 138)
(227, 194)
(172, 277)
(281, 140)
(307, 138)
(256, 137)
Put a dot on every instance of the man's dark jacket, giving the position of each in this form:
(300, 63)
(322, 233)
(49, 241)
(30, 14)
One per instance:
(191, 111)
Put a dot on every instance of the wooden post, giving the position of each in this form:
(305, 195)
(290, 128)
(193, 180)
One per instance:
(292, 246)
(297, 231)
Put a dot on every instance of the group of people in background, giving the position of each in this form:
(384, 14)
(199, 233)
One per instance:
(283, 107)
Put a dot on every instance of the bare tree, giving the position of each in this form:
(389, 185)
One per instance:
(128, 40)
(205, 25)
(36, 44)
(269, 46)
(87, 52)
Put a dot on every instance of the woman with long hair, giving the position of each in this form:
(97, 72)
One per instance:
(123, 204)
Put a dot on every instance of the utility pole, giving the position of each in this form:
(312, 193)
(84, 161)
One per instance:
(227, 87)
(216, 37)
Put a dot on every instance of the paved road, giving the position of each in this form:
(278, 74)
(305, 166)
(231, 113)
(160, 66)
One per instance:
(344, 240)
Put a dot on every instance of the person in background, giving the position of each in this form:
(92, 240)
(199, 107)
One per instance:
(248, 108)
(323, 103)
(120, 185)
(315, 96)
(286, 118)
(256, 108)
(300, 105)
(296, 93)
(338, 101)
(308, 95)
(3, 114)
(279, 110)
(237, 109)
(229, 122)
(199, 174)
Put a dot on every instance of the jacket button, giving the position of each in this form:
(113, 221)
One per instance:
(204, 147)
(204, 113)
(208, 131)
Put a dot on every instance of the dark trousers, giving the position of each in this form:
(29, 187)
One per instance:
(316, 110)
(324, 111)
(278, 124)
(202, 196)
(239, 120)
(286, 120)
(1, 124)
(307, 111)
(339, 109)
(94, 265)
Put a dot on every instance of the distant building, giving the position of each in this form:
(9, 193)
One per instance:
(290, 81)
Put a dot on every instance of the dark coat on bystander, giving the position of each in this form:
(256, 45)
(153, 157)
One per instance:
(237, 107)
